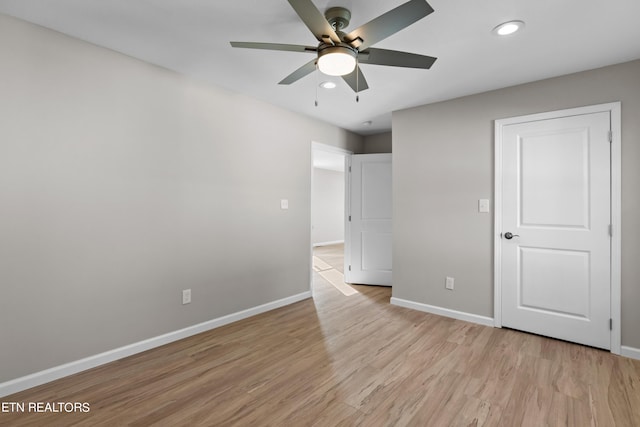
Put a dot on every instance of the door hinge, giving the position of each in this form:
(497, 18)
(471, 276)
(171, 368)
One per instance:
(611, 324)
(610, 230)
(349, 218)
(349, 268)
(610, 136)
(349, 168)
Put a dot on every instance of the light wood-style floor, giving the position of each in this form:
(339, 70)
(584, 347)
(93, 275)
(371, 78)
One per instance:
(351, 361)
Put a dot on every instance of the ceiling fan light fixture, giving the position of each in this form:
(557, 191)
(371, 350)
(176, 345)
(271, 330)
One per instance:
(337, 60)
(509, 27)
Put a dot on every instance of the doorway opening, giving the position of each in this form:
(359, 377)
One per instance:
(328, 215)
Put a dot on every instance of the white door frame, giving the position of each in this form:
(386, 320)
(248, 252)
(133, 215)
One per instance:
(317, 146)
(614, 108)
(347, 218)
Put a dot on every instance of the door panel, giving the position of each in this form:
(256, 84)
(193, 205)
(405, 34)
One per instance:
(375, 178)
(559, 197)
(555, 281)
(368, 239)
(556, 203)
(376, 251)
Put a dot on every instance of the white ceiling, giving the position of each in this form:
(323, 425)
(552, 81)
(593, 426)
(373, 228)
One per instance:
(192, 37)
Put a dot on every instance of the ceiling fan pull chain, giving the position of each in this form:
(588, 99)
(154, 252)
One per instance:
(357, 80)
(317, 82)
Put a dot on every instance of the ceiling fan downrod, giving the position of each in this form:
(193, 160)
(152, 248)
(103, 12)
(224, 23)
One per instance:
(338, 17)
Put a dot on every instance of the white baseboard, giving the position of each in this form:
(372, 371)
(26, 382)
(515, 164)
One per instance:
(460, 315)
(334, 242)
(48, 375)
(630, 352)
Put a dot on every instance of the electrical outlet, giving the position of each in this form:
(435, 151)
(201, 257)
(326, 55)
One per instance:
(448, 283)
(186, 296)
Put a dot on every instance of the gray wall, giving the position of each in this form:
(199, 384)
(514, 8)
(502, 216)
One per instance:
(443, 163)
(122, 183)
(327, 208)
(378, 143)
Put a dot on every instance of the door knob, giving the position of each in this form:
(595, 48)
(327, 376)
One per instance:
(508, 235)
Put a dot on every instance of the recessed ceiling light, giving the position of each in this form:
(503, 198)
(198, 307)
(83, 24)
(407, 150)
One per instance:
(507, 28)
(328, 85)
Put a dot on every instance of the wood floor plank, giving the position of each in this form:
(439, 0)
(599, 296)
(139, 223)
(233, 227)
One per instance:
(352, 360)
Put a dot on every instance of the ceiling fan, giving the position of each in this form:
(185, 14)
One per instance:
(339, 53)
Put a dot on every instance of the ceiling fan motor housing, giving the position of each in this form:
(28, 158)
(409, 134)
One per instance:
(337, 59)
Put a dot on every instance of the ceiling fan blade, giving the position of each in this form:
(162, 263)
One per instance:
(307, 68)
(315, 20)
(388, 23)
(358, 83)
(275, 46)
(395, 58)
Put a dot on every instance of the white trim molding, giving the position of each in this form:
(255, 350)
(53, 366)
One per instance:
(334, 242)
(615, 111)
(57, 372)
(440, 311)
(630, 352)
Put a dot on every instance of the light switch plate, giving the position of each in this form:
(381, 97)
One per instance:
(448, 283)
(186, 296)
(284, 204)
(483, 205)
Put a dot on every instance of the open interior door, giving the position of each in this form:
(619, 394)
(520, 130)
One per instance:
(368, 220)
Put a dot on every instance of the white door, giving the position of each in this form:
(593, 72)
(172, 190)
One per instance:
(368, 231)
(555, 234)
